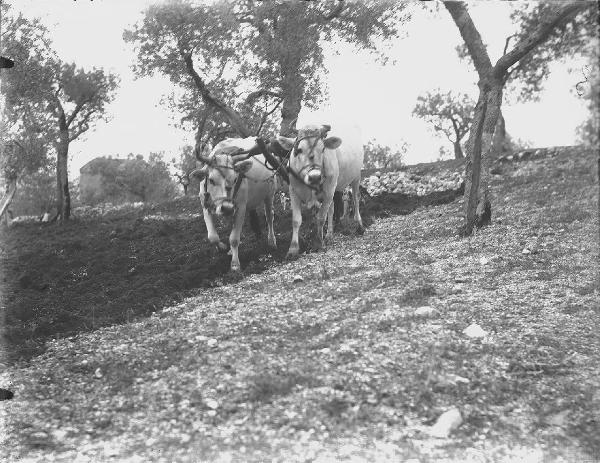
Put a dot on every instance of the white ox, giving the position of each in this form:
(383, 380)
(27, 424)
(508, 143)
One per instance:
(230, 184)
(319, 166)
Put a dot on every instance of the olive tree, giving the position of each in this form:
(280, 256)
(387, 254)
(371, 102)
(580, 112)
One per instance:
(547, 21)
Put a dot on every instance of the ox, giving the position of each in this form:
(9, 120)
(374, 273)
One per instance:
(318, 168)
(231, 183)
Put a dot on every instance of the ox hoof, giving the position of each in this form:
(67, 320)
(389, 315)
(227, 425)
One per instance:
(236, 268)
(272, 244)
(222, 246)
(291, 255)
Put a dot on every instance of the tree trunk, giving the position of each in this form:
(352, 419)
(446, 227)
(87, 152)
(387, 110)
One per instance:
(63, 197)
(499, 143)
(11, 189)
(458, 153)
(290, 109)
(478, 207)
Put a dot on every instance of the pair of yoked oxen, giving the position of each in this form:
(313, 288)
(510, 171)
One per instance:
(234, 178)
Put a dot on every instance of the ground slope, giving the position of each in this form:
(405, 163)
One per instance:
(325, 358)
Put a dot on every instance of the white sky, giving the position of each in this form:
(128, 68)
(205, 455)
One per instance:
(377, 99)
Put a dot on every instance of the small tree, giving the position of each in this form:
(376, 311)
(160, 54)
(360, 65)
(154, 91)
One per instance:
(50, 103)
(449, 114)
(382, 157)
(187, 163)
(77, 101)
(25, 145)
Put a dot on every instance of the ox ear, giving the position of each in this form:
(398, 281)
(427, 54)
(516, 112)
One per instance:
(200, 173)
(243, 166)
(332, 142)
(285, 142)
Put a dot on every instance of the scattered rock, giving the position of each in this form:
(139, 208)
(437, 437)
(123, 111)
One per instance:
(39, 438)
(425, 311)
(211, 403)
(110, 450)
(150, 442)
(297, 279)
(450, 380)
(446, 423)
(212, 342)
(98, 373)
(475, 331)
(411, 184)
(59, 434)
(525, 251)
(557, 419)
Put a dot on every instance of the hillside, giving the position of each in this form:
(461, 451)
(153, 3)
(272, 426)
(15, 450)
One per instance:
(347, 355)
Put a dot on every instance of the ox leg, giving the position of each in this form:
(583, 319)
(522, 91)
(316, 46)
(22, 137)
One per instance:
(234, 237)
(213, 236)
(296, 222)
(271, 240)
(321, 215)
(330, 222)
(356, 198)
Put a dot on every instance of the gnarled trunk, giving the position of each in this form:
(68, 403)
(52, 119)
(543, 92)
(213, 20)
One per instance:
(63, 197)
(500, 145)
(458, 152)
(478, 210)
(290, 109)
(478, 207)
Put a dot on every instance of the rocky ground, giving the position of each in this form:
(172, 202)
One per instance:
(407, 343)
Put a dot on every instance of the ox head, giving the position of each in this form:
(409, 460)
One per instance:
(219, 176)
(308, 151)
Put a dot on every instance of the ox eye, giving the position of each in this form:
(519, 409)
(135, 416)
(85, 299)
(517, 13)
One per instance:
(212, 182)
(299, 151)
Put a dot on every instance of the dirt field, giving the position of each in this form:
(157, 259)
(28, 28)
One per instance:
(95, 271)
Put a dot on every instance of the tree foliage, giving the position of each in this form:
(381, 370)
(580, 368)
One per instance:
(525, 80)
(239, 61)
(448, 113)
(49, 103)
(383, 157)
(109, 180)
(27, 143)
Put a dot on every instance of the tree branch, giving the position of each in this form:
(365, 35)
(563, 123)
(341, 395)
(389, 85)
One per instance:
(507, 42)
(563, 12)
(456, 129)
(82, 126)
(471, 37)
(335, 12)
(234, 118)
(77, 109)
(266, 115)
(262, 92)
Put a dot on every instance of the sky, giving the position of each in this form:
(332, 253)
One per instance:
(364, 95)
